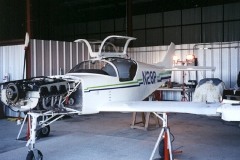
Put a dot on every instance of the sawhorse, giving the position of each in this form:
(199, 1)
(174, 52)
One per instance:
(145, 120)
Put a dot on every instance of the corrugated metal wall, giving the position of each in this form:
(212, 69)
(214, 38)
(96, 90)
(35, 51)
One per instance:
(49, 56)
(11, 61)
(224, 56)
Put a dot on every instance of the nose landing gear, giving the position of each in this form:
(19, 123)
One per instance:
(34, 155)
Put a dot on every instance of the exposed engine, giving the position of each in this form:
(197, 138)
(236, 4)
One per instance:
(40, 93)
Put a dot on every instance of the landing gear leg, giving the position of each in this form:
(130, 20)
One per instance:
(33, 153)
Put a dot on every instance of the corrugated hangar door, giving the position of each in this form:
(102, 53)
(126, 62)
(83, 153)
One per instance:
(11, 63)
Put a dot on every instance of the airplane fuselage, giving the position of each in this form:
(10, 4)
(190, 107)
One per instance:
(99, 89)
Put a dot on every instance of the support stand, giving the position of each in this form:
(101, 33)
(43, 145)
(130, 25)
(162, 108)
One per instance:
(184, 98)
(29, 126)
(24, 120)
(165, 133)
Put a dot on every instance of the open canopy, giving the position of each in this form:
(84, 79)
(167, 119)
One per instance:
(107, 47)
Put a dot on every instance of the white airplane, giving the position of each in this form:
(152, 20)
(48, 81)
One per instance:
(109, 82)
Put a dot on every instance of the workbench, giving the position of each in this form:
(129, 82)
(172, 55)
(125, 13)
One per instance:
(189, 91)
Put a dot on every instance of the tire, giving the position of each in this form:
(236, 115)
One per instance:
(44, 132)
(161, 148)
(30, 156)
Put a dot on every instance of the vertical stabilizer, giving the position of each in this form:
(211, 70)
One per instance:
(167, 61)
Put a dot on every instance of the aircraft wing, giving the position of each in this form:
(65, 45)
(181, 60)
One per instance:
(228, 112)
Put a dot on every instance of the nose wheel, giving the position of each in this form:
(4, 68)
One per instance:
(34, 155)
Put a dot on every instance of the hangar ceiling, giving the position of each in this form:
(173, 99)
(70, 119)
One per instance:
(47, 14)
(89, 10)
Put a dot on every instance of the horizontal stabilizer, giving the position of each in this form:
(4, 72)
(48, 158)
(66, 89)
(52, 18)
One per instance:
(191, 68)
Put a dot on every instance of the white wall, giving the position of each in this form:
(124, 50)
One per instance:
(11, 61)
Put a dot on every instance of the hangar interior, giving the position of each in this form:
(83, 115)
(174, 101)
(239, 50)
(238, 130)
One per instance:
(209, 30)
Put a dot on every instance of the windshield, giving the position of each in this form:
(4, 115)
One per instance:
(126, 68)
(94, 66)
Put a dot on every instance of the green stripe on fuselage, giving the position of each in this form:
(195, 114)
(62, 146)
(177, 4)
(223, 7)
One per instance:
(126, 83)
(164, 73)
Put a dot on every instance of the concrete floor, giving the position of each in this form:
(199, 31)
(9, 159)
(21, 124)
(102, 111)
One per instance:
(107, 136)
